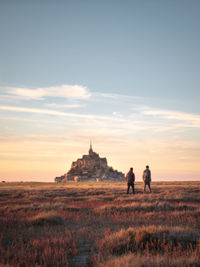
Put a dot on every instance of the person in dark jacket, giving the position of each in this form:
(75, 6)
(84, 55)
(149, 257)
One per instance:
(130, 178)
(147, 178)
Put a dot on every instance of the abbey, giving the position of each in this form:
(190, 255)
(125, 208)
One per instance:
(91, 167)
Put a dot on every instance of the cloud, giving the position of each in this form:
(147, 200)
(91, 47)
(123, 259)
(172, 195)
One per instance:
(6, 118)
(117, 97)
(10, 98)
(64, 91)
(75, 105)
(192, 120)
(59, 113)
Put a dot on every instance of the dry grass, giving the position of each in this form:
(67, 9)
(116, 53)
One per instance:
(44, 218)
(133, 260)
(155, 239)
(97, 224)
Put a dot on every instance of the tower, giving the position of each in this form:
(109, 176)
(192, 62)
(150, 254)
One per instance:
(90, 150)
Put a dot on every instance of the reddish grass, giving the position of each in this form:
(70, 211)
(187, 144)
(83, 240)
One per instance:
(88, 224)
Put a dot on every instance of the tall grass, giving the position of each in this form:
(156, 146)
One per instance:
(91, 224)
(151, 238)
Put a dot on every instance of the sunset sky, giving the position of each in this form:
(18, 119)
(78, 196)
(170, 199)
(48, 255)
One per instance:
(125, 74)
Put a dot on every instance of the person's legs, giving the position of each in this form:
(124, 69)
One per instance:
(133, 188)
(149, 185)
(128, 188)
(144, 187)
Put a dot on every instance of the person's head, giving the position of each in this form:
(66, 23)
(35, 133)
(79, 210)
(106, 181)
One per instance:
(147, 167)
(131, 169)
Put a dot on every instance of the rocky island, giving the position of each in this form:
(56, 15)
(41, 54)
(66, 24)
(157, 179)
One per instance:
(91, 167)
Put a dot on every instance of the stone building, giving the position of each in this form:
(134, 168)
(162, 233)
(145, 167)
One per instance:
(91, 167)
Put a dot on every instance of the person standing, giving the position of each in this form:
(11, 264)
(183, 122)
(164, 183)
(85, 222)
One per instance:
(130, 178)
(147, 178)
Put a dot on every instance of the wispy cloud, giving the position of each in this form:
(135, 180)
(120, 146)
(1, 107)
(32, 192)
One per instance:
(55, 105)
(6, 118)
(59, 113)
(64, 91)
(119, 97)
(10, 98)
(192, 120)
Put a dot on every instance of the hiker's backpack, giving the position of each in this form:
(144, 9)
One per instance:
(131, 177)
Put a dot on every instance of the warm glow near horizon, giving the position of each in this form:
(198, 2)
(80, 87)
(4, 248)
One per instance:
(43, 161)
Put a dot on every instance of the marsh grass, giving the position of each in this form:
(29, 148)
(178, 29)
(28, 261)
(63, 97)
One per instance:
(156, 239)
(157, 207)
(98, 224)
(45, 218)
(134, 260)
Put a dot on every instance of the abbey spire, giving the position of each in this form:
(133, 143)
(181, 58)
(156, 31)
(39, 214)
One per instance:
(90, 150)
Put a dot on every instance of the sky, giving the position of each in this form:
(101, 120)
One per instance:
(124, 74)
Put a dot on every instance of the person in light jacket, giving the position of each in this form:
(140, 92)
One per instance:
(147, 178)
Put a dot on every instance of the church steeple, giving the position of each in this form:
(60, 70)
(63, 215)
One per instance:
(90, 150)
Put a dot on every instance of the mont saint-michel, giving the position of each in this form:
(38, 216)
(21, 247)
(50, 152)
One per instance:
(91, 167)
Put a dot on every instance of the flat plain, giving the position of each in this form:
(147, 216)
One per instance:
(98, 224)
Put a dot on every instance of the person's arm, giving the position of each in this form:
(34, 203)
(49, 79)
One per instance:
(144, 175)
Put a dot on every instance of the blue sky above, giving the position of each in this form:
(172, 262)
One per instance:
(120, 72)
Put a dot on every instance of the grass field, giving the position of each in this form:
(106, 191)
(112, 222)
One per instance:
(98, 224)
